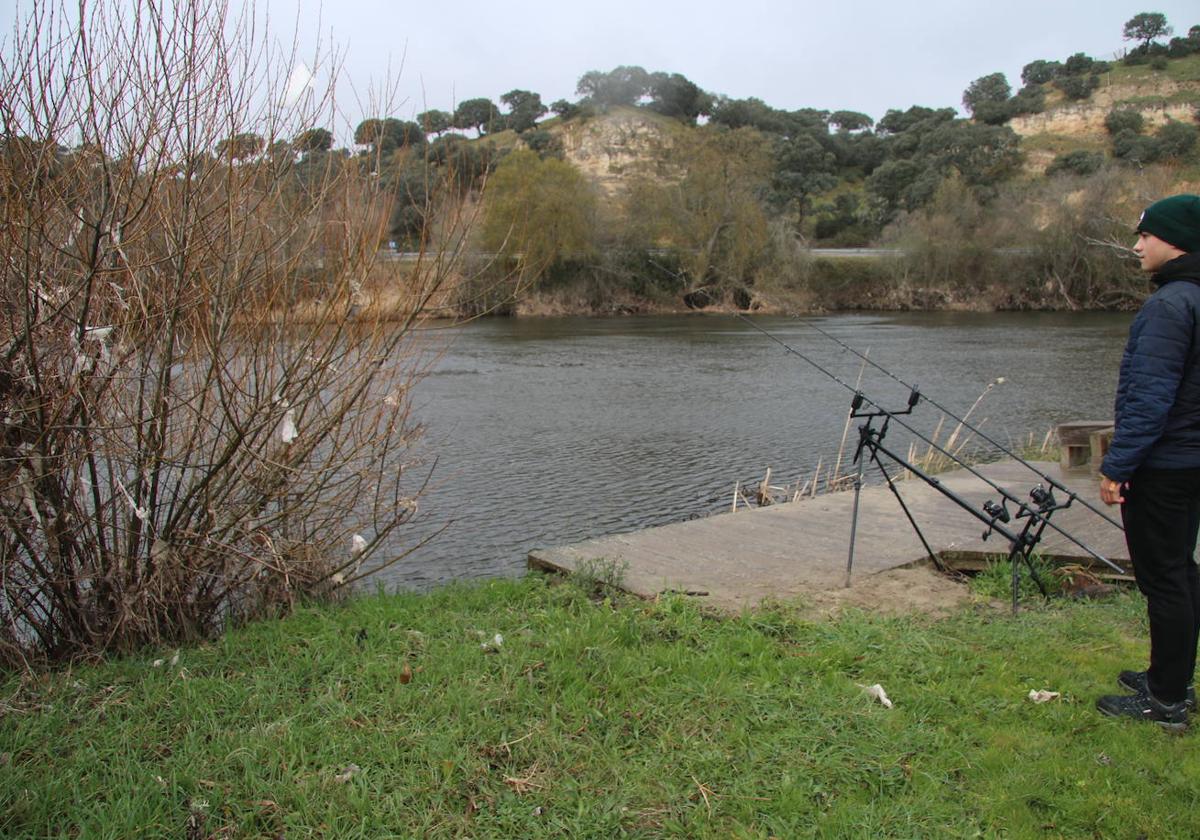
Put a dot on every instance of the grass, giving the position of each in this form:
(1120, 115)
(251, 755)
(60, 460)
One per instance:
(402, 716)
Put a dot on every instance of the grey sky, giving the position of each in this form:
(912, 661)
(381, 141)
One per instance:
(867, 56)
(864, 56)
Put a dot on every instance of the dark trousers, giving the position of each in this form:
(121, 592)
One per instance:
(1161, 515)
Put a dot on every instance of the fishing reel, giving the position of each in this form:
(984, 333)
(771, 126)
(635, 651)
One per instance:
(998, 512)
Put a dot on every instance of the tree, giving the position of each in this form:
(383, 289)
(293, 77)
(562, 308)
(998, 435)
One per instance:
(986, 97)
(1131, 147)
(240, 146)
(625, 85)
(1039, 72)
(387, 135)
(892, 181)
(1081, 64)
(674, 95)
(898, 122)
(714, 214)
(313, 140)
(802, 168)
(1077, 87)
(564, 109)
(751, 112)
(850, 121)
(434, 122)
(1146, 27)
(525, 109)
(1176, 139)
(201, 405)
(480, 114)
(983, 154)
(1030, 99)
(1124, 119)
(1078, 162)
(540, 211)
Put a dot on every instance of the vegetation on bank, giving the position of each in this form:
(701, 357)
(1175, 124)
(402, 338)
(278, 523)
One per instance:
(526, 708)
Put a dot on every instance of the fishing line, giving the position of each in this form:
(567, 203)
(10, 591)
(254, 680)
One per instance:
(1008, 495)
(1058, 485)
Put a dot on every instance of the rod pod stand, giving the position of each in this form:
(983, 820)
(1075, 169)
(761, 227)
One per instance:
(865, 431)
(994, 516)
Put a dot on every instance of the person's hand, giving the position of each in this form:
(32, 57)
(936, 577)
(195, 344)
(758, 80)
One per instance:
(1111, 491)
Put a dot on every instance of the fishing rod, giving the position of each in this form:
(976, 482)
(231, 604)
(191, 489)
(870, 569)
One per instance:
(1023, 508)
(1057, 485)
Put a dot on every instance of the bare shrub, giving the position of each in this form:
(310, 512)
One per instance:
(204, 416)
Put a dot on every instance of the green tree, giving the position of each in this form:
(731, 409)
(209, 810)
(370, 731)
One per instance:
(1081, 64)
(480, 114)
(1146, 27)
(983, 154)
(850, 121)
(1030, 99)
(435, 122)
(1133, 148)
(1039, 72)
(891, 182)
(986, 98)
(1078, 162)
(313, 140)
(1077, 86)
(1124, 119)
(674, 95)
(625, 85)
(540, 211)
(803, 168)
(898, 122)
(1176, 139)
(564, 109)
(386, 135)
(525, 108)
(714, 214)
(241, 146)
(752, 112)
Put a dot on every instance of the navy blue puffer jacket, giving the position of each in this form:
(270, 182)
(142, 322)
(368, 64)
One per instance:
(1157, 412)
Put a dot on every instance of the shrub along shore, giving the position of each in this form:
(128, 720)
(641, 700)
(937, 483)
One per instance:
(530, 708)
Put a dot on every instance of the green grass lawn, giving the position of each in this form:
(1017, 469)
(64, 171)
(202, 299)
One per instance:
(401, 716)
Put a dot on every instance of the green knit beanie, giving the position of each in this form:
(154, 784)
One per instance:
(1174, 220)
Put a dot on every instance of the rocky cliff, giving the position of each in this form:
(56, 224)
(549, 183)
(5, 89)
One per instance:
(612, 148)
(1156, 100)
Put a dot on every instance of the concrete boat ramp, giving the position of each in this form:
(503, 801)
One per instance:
(735, 560)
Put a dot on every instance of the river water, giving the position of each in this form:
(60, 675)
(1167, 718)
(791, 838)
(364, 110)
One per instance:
(554, 430)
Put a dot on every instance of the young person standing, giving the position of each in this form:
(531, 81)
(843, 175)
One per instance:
(1152, 468)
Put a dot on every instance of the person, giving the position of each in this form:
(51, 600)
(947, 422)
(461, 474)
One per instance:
(1152, 468)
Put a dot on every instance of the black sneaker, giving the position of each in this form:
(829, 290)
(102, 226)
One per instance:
(1136, 681)
(1142, 706)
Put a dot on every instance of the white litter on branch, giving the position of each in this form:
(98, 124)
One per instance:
(1043, 696)
(300, 82)
(140, 512)
(878, 693)
(287, 431)
(358, 544)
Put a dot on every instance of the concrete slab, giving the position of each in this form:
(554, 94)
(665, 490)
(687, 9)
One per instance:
(739, 559)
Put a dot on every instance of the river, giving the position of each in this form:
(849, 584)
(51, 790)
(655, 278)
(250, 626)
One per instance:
(553, 430)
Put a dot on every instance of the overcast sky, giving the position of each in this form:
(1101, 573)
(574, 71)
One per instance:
(861, 55)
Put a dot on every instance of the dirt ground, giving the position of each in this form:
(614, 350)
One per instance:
(912, 589)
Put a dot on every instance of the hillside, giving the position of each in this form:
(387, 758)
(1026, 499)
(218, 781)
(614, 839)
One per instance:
(1159, 96)
(649, 195)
